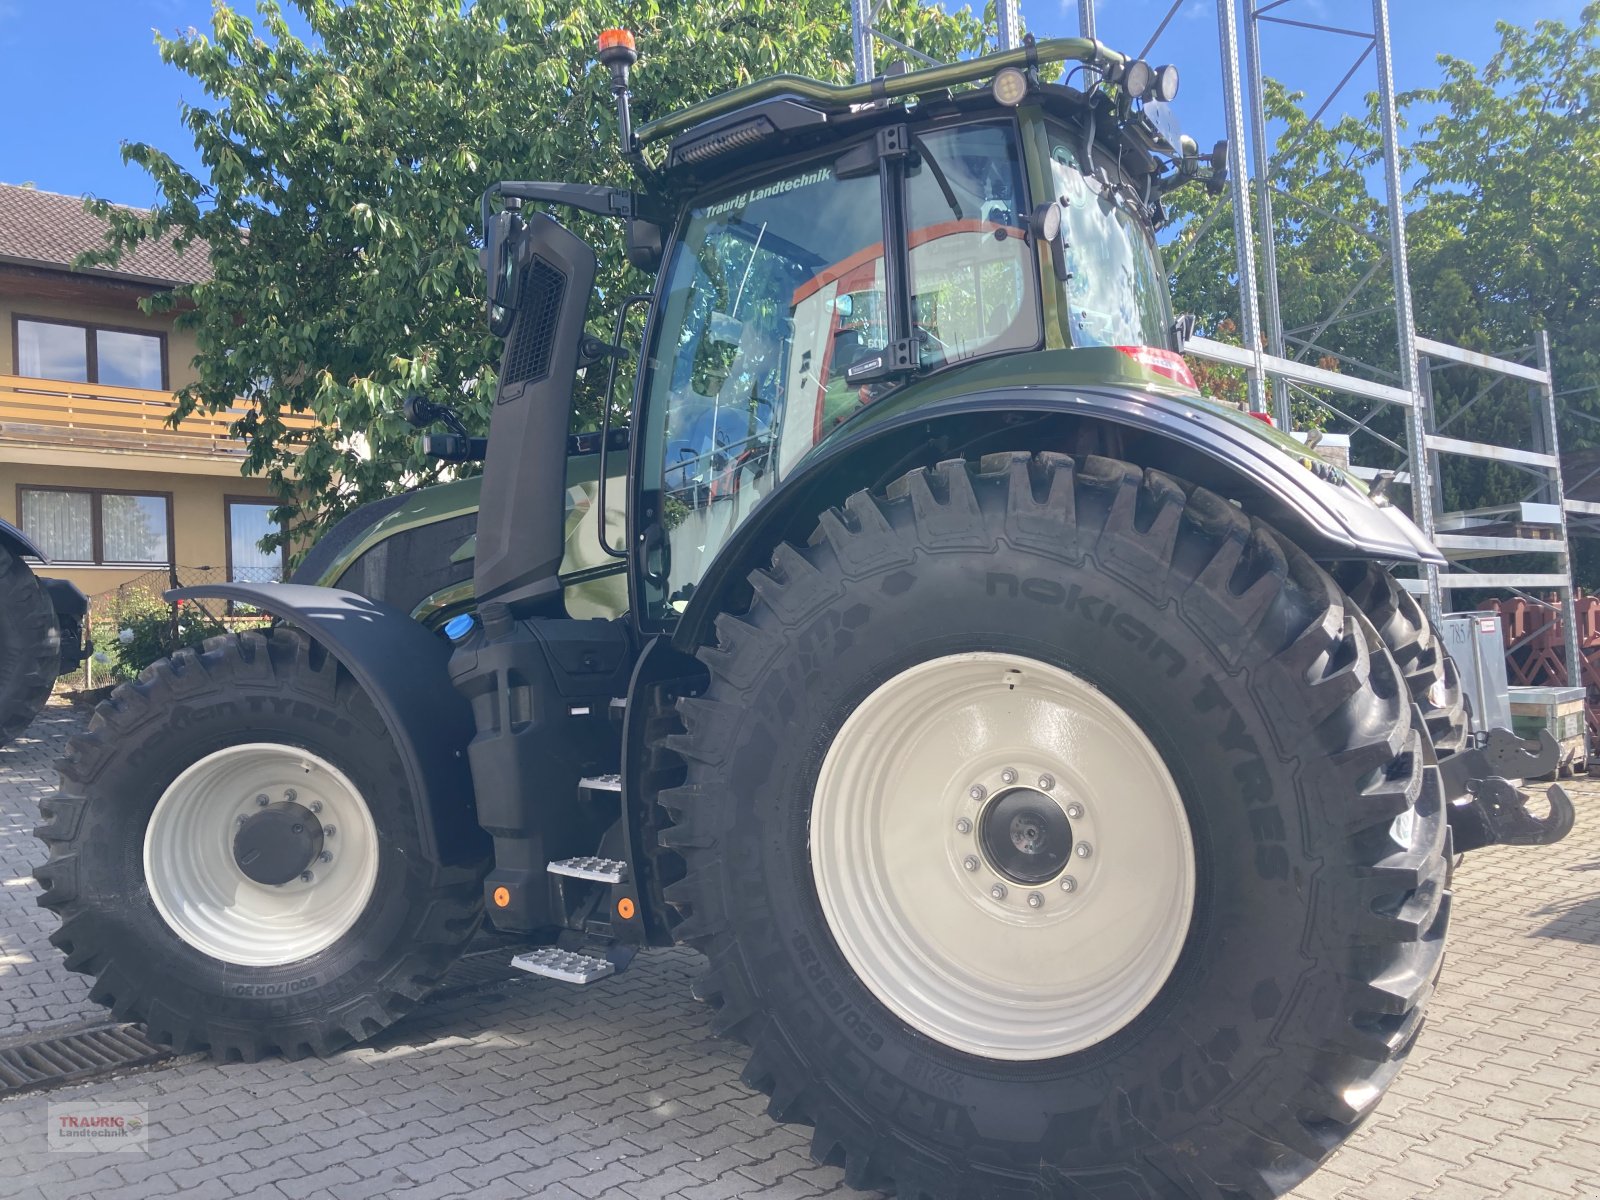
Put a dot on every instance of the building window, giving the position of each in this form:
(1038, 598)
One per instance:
(91, 527)
(250, 520)
(80, 353)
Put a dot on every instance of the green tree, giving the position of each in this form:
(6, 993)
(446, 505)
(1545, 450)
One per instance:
(339, 195)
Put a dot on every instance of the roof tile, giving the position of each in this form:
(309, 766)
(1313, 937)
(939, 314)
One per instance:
(51, 230)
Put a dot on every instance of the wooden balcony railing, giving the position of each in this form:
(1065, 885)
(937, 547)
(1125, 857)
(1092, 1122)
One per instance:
(97, 416)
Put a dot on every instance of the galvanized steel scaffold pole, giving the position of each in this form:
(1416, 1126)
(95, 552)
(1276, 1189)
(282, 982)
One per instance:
(1269, 246)
(1420, 416)
(861, 15)
(1008, 16)
(1545, 406)
(1086, 18)
(864, 33)
(1239, 187)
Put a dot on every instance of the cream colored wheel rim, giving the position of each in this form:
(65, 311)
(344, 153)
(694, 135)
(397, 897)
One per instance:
(919, 878)
(209, 902)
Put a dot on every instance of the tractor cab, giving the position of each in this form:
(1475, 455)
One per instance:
(824, 253)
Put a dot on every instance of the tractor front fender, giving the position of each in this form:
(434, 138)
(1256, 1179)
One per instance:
(18, 543)
(1308, 501)
(404, 669)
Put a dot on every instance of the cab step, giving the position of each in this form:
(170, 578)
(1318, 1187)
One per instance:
(600, 870)
(565, 965)
(601, 783)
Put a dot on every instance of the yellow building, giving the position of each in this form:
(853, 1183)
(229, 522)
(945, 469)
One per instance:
(88, 467)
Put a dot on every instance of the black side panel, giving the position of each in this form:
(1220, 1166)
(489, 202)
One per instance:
(520, 539)
(412, 564)
(319, 560)
(404, 668)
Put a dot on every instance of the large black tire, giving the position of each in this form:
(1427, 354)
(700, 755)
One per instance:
(281, 688)
(1320, 906)
(30, 646)
(1430, 673)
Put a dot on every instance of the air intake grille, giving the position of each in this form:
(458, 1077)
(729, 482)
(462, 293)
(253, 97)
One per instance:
(534, 337)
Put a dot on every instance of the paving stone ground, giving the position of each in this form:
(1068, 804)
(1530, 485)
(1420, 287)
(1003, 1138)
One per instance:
(618, 1090)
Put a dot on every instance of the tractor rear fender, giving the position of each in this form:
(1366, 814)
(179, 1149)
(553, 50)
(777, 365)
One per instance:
(404, 668)
(1304, 499)
(14, 540)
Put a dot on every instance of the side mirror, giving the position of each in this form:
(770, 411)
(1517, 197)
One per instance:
(642, 242)
(500, 266)
(1045, 226)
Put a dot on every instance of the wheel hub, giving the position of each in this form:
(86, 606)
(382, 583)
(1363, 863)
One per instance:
(1025, 835)
(1002, 856)
(277, 843)
(261, 854)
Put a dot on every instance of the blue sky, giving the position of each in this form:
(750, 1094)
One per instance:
(75, 89)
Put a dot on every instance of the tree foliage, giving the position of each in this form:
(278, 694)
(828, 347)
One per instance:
(340, 184)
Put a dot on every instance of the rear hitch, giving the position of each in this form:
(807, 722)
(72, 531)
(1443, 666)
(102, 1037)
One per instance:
(1486, 809)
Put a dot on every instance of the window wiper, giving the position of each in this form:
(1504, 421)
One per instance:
(938, 175)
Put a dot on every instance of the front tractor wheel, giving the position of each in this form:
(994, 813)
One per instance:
(235, 858)
(1053, 829)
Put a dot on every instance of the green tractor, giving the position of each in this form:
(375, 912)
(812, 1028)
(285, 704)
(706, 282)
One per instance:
(1057, 782)
(44, 632)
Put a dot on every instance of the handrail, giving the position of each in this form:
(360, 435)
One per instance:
(841, 96)
(88, 408)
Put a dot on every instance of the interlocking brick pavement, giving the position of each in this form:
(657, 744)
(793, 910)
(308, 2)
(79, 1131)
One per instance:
(35, 988)
(528, 1088)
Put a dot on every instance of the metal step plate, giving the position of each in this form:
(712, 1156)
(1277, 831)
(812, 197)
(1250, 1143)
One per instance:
(601, 870)
(563, 965)
(602, 783)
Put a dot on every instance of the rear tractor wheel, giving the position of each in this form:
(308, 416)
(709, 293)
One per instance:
(235, 857)
(1053, 829)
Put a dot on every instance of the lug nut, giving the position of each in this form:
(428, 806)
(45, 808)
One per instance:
(263, 801)
(1035, 900)
(325, 856)
(977, 791)
(316, 806)
(963, 826)
(1046, 782)
(1008, 776)
(1083, 849)
(1068, 884)
(970, 863)
(290, 795)
(305, 877)
(329, 830)
(1075, 811)
(998, 891)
